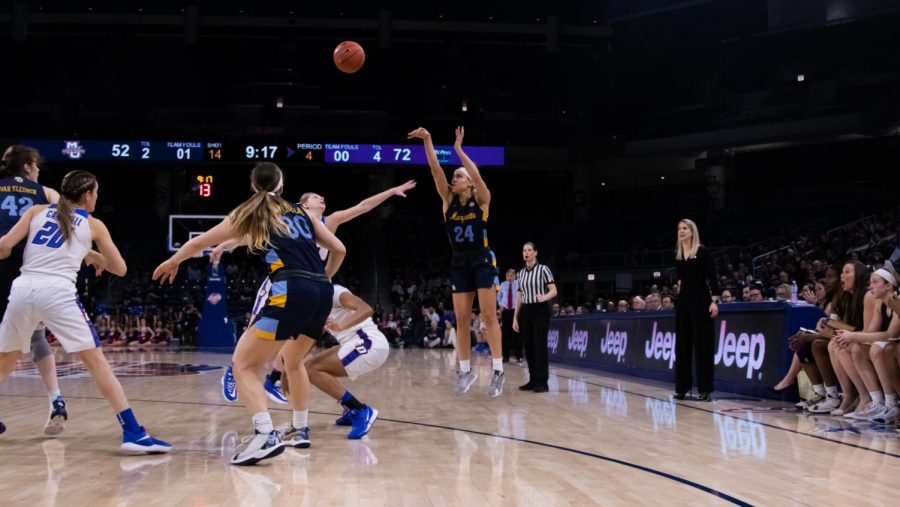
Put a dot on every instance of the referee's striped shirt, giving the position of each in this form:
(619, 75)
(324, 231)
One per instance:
(533, 281)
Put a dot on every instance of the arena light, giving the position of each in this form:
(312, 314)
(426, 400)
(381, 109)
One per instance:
(465, 106)
(279, 102)
(801, 78)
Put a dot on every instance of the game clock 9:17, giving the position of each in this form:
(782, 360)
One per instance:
(265, 152)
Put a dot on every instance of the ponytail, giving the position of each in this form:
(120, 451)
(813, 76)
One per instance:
(74, 185)
(262, 212)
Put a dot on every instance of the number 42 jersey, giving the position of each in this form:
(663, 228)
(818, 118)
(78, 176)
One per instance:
(17, 194)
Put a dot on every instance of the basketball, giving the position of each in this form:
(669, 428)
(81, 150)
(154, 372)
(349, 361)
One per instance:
(349, 57)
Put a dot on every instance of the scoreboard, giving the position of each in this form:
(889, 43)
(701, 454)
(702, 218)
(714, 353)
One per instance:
(196, 151)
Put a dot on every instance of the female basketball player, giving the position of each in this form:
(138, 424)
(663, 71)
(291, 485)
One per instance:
(295, 311)
(362, 349)
(59, 236)
(314, 204)
(19, 190)
(466, 203)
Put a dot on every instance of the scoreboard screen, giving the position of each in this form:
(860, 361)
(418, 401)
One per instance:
(303, 152)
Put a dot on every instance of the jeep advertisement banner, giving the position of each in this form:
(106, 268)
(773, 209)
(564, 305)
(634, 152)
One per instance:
(751, 347)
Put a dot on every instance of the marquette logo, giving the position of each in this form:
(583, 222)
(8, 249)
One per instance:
(456, 217)
(74, 150)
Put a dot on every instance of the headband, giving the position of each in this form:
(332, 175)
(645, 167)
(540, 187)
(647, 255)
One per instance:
(464, 171)
(888, 277)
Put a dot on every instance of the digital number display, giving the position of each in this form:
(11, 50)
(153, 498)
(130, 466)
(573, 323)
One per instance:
(304, 152)
(175, 151)
(408, 154)
(204, 185)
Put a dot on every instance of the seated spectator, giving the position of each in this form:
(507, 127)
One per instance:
(668, 302)
(808, 293)
(622, 306)
(756, 295)
(783, 292)
(654, 302)
(638, 304)
(745, 293)
(449, 340)
(433, 335)
(161, 336)
(727, 297)
(554, 310)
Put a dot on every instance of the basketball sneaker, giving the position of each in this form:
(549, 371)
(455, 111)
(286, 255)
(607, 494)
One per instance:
(141, 441)
(345, 419)
(273, 391)
(2, 428)
(229, 385)
(464, 381)
(362, 422)
(56, 423)
(259, 446)
(496, 387)
(297, 437)
(888, 415)
(826, 406)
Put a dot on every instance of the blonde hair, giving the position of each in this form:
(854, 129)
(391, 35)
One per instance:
(691, 252)
(256, 216)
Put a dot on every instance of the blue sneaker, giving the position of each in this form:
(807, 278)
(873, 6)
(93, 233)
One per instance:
(273, 391)
(142, 442)
(345, 419)
(229, 385)
(2, 428)
(58, 417)
(362, 422)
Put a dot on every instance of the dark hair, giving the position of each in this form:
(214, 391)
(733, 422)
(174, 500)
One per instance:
(849, 305)
(257, 215)
(532, 246)
(15, 158)
(74, 185)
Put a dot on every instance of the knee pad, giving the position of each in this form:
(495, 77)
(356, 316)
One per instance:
(40, 347)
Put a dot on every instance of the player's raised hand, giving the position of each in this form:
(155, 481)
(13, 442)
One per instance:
(460, 133)
(419, 133)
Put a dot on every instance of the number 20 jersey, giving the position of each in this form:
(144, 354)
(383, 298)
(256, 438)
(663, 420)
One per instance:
(17, 194)
(46, 253)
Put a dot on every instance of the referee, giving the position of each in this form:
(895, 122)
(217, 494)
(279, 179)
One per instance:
(532, 317)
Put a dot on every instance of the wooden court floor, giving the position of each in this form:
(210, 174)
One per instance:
(595, 439)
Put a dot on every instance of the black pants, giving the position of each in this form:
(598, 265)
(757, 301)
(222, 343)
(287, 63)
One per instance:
(534, 323)
(694, 341)
(512, 342)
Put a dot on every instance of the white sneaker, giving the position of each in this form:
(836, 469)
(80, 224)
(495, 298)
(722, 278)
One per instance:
(464, 381)
(871, 409)
(889, 415)
(259, 446)
(805, 404)
(825, 406)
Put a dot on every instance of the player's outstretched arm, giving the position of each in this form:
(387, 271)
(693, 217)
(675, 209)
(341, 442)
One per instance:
(482, 194)
(437, 172)
(221, 233)
(334, 220)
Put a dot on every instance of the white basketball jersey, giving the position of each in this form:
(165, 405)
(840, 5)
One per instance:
(339, 313)
(47, 253)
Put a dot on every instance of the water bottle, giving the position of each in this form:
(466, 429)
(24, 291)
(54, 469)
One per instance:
(793, 291)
